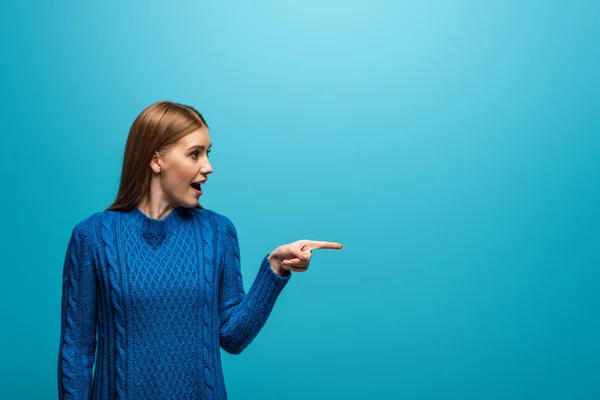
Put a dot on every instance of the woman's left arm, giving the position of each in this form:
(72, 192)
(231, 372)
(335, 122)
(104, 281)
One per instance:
(242, 315)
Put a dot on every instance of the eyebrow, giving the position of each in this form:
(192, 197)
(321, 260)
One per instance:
(199, 146)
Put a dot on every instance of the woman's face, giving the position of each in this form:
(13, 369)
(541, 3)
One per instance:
(184, 163)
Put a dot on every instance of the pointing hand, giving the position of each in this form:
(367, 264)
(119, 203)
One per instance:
(297, 255)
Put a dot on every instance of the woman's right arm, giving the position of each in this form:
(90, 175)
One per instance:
(78, 318)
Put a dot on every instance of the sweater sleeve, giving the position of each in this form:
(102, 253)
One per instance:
(243, 315)
(78, 319)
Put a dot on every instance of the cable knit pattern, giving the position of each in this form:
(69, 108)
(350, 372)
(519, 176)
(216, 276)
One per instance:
(78, 328)
(164, 296)
(108, 240)
(208, 247)
(69, 360)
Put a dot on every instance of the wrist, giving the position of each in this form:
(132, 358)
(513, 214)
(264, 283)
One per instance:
(277, 268)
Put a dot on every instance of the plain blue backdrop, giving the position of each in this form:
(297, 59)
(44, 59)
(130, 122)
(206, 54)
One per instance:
(452, 147)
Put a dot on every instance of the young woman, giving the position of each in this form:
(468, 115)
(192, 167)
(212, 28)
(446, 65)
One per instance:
(152, 286)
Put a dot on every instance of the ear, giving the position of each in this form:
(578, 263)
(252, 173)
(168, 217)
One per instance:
(156, 163)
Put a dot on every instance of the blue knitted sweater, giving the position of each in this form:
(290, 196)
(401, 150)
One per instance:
(148, 303)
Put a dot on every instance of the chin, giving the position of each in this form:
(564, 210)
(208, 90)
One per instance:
(190, 205)
(193, 203)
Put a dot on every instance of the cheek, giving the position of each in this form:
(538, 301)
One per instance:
(184, 172)
(180, 178)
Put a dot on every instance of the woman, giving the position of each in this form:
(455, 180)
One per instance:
(157, 276)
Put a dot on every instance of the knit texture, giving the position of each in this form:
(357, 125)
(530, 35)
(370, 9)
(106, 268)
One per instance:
(147, 304)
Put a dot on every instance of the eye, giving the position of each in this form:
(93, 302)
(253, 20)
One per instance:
(195, 153)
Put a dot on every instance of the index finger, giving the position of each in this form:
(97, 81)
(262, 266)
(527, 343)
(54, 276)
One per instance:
(318, 244)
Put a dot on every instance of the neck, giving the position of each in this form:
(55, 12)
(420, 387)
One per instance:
(156, 210)
(146, 223)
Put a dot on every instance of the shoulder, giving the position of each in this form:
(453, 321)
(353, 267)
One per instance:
(223, 222)
(85, 226)
(82, 234)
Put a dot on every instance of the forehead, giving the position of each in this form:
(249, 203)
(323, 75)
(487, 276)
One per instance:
(199, 137)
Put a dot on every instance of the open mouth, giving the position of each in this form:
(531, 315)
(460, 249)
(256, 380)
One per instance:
(196, 186)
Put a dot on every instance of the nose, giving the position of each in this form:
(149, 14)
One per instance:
(206, 168)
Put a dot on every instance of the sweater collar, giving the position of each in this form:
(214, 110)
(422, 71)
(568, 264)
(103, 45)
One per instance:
(147, 224)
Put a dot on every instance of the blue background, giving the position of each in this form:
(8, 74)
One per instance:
(451, 146)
